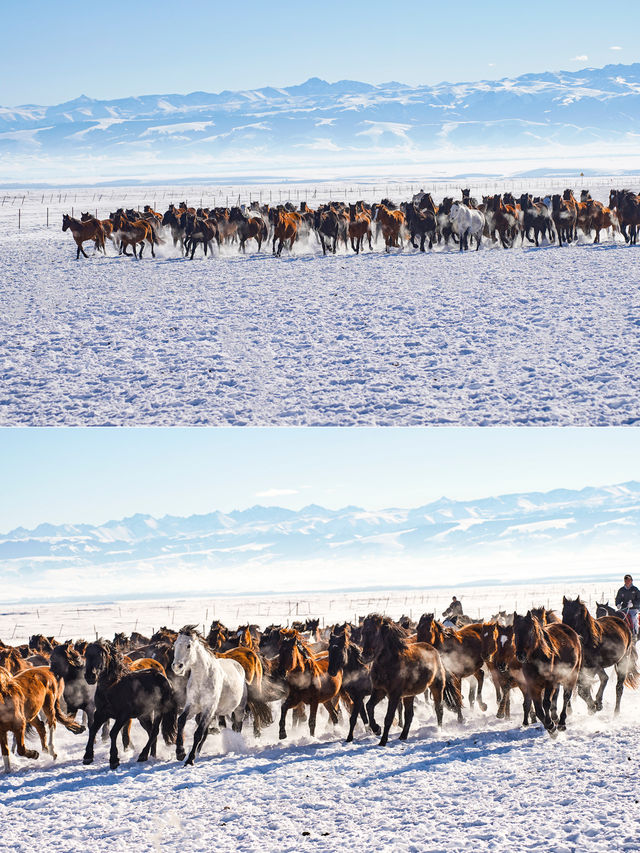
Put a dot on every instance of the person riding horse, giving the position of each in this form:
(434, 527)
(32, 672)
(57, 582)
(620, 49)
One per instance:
(628, 599)
(452, 612)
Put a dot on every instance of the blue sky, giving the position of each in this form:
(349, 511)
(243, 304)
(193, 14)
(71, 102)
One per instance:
(53, 52)
(93, 475)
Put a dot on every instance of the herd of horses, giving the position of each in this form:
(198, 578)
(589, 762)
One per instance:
(230, 676)
(499, 218)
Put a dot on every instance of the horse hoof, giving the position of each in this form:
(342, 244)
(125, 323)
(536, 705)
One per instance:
(500, 715)
(383, 742)
(376, 730)
(142, 757)
(114, 764)
(180, 754)
(282, 735)
(31, 753)
(88, 759)
(188, 762)
(562, 727)
(483, 706)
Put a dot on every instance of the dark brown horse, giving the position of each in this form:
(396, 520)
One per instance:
(460, 650)
(345, 657)
(308, 680)
(605, 642)
(401, 670)
(499, 654)
(551, 657)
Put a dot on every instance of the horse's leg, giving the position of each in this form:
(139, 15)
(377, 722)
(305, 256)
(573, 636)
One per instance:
(376, 696)
(408, 716)
(566, 696)
(283, 718)
(472, 694)
(150, 745)
(389, 717)
(99, 718)
(436, 687)
(78, 252)
(357, 709)
(604, 678)
(584, 689)
(620, 677)
(313, 711)
(140, 249)
(182, 719)
(546, 707)
(5, 750)
(480, 679)
(42, 732)
(120, 722)
(126, 735)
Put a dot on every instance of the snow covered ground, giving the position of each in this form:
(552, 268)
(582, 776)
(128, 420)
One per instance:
(486, 785)
(534, 336)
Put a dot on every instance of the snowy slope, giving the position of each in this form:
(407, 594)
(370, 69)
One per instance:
(595, 531)
(318, 122)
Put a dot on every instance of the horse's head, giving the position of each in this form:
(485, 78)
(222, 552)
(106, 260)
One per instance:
(338, 649)
(602, 609)
(371, 636)
(97, 657)
(185, 650)
(523, 635)
(425, 628)
(489, 639)
(66, 221)
(218, 635)
(572, 611)
(291, 652)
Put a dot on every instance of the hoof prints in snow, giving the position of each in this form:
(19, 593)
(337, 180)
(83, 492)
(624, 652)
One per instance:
(495, 337)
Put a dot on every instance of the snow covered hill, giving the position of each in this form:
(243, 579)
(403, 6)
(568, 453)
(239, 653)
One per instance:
(352, 123)
(593, 532)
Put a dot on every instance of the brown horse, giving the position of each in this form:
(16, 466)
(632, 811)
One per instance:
(605, 642)
(499, 653)
(107, 226)
(132, 234)
(391, 223)
(401, 670)
(285, 229)
(551, 657)
(42, 693)
(251, 662)
(461, 651)
(12, 660)
(308, 680)
(84, 232)
(359, 227)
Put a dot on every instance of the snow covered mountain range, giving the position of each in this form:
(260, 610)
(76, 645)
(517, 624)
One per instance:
(260, 132)
(592, 533)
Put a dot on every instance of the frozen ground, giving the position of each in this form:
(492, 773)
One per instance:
(535, 336)
(488, 785)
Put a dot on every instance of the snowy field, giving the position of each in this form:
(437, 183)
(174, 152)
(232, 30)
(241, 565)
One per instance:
(528, 336)
(485, 785)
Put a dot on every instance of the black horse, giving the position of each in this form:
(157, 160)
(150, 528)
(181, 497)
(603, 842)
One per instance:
(421, 223)
(121, 695)
(79, 695)
(346, 657)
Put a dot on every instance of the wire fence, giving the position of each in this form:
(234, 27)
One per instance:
(43, 209)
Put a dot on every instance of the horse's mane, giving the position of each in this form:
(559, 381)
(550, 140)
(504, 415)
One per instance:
(305, 650)
(594, 630)
(546, 644)
(115, 665)
(394, 635)
(9, 687)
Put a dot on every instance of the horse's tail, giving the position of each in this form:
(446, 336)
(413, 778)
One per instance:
(67, 721)
(451, 694)
(632, 678)
(259, 710)
(169, 721)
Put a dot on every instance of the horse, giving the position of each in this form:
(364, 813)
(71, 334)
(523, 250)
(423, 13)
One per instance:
(564, 216)
(536, 215)
(401, 670)
(308, 680)
(285, 230)
(498, 652)
(132, 233)
(345, 657)
(601, 219)
(328, 224)
(249, 228)
(358, 228)
(460, 650)
(176, 220)
(42, 693)
(422, 222)
(107, 227)
(468, 222)
(605, 642)
(123, 695)
(12, 660)
(199, 230)
(391, 222)
(551, 657)
(68, 665)
(251, 663)
(216, 688)
(627, 206)
(84, 232)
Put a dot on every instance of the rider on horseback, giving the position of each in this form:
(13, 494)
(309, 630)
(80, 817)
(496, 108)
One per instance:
(452, 612)
(628, 599)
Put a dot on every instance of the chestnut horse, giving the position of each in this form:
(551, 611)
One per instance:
(605, 642)
(308, 680)
(285, 229)
(84, 232)
(391, 222)
(132, 233)
(359, 227)
(551, 657)
(460, 650)
(499, 653)
(401, 670)
(12, 660)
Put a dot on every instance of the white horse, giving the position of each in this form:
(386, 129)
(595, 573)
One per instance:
(467, 222)
(216, 688)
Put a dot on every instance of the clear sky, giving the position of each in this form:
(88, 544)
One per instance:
(53, 52)
(94, 475)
